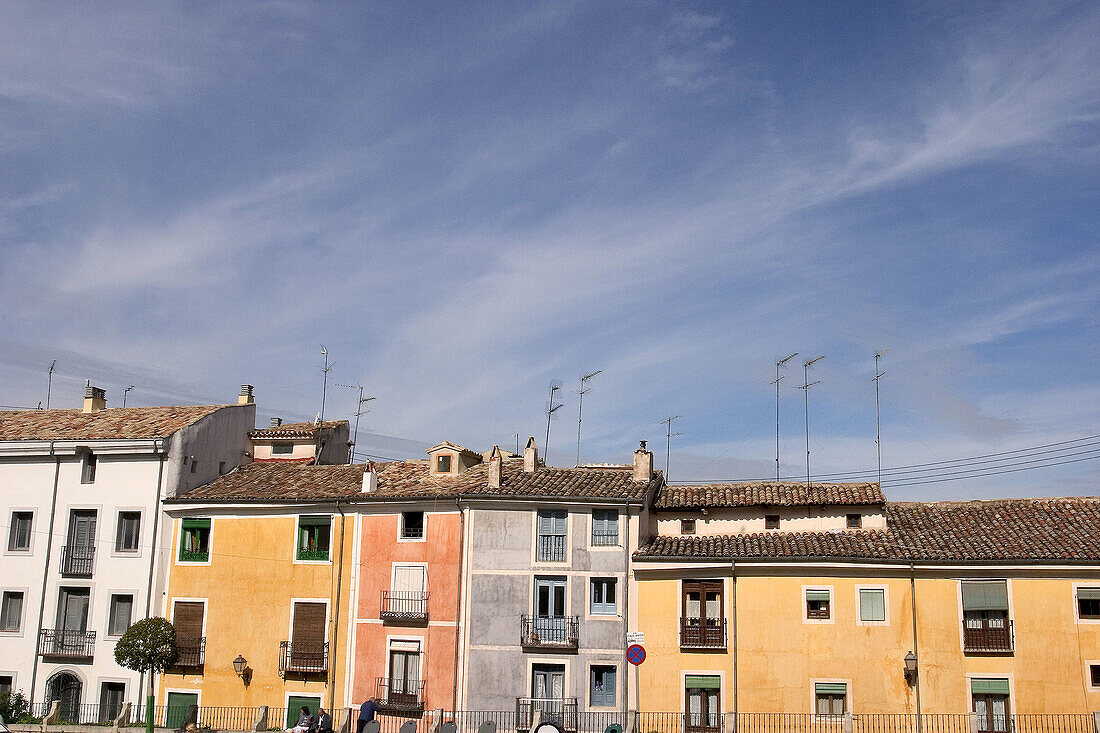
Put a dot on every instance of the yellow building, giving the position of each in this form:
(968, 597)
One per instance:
(261, 576)
(775, 597)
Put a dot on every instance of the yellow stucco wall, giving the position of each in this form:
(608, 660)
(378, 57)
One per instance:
(249, 586)
(780, 655)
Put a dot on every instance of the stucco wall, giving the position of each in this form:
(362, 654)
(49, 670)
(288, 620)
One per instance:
(742, 520)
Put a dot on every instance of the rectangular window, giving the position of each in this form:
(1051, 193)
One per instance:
(605, 527)
(1094, 674)
(111, 696)
(872, 604)
(6, 683)
(986, 627)
(403, 685)
(603, 597)
(990, 698)
(702, 619)
(307, 651)
(443, 464)
(19, 538)
(195, 540)
(818, 604)
(771, 521)
(601, 690)
(702, 697)
(11, 611)
(313, 537)
(412, 525)
(551, 536)
(854, 521)
(129, 532)
(831, 698)
(194, 465)
(282, 449)
(687, 526)
(187, 621)
(122, 612)
(87, 469)
(1088, 603)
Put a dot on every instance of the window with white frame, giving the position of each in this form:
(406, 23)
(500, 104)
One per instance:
(830, 698)
(604, 602)
(128, 534)
(605, 527)
(11, 611)
(872, 605)
(601, 688)
(122, 612)
(551, 542)
(19, 536)
(818, 604)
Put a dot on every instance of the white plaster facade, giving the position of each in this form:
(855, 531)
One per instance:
(752, 519)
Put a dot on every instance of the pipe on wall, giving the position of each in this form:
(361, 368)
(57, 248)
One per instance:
(458, 602)
(46, 567)
(336, 615)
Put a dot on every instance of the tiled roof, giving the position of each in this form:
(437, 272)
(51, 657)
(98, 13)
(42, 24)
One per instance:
(997, 530)
(412, 480)
(770, 493)
(295, 429)
(117, 423)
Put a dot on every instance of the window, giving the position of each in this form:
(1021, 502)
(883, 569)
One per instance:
(551, 536)
(1094, 675)
(403, 685)
(986, 627)
(6, 684)
(19, 538)
(687, 526)
(605, 527)
(282, 449)
(308, 651)
(221, 468)
(442, 464)
(122, 611)
(313, 537)
(771, 521)
(831, 698)
(702, 620)
(854, 521)
(111, 695)
(601, 690)
(87, 469)
(603, 597)
(195, 540)
(194, 465)
(412, 525)
(129, 532)
(818, 603)
(703, 699)
(1088, 603)
(990, 698)
(872, 604)
(11, 611)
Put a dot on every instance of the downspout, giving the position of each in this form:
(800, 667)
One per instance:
(916, 652)
(626, 608)
(458, 602)
(158, 448)
(46, 568)
(733, 630)
(336, 615)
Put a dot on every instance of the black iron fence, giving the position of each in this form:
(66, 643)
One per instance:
(561, 710)
(400, 695)
(557, 632)
(192, 652)
(77, 560)
(401, 605)
(303, 657)
(70, 644)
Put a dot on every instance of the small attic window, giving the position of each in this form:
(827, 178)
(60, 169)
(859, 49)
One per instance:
(687, 526)
(443, 464)
(771, 521)
(855, 521)
(282, 448)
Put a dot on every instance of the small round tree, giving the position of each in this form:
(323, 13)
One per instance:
(149, 647)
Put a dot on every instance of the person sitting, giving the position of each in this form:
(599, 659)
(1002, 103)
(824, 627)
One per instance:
(324, 721)
(305, 722)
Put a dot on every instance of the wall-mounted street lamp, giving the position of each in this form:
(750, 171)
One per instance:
(240, 666)
(910, 667)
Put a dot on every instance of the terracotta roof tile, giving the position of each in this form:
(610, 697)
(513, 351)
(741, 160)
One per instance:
(295, 429)
(995, 530)
(770, 493)
(117, 423)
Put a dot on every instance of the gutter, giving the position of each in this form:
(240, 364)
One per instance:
(46, 568)
(626, 610)
(336, 615)
(733, 631)
(158, 448)
(458, 602)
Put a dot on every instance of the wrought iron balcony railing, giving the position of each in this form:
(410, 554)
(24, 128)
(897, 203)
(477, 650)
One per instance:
(192, 652)
(68, 644)
(303, 657)
(560, 710)
(549, 632)
(77, 560)
(400, 695)
(702, 633)
(194, 555)
(988, 638)
(605, 539)
(550, 548)
(402, 605)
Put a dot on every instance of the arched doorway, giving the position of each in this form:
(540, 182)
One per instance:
(65, 687)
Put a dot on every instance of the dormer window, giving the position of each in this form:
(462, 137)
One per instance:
(771, 521)
(855, 521)
(443, 464)
(687, 526)
(282, 449)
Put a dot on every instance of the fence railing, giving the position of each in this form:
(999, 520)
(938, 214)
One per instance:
(62, 643)
(404, 605)
(558, 632)
(77, 560)
(703, 633)
(192, 652)
(402, 695)
(562, 710)
(987, 638)
(303, 657)
(550, 548)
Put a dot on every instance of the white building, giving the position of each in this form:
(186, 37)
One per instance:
(84, 549)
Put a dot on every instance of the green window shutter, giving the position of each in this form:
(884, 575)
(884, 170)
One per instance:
(315, 521)
(985, 595)
(831, 688)
(817, 595)
(196, 524)
(989, 687)
(1088, 594)
(872, 604)
(703, 682)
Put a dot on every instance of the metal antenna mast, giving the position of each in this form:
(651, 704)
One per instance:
(358, 411)
(124, 392)
(806, 387)
(551, 408)
(49, 384)
(324, 384)
(580, 406)
(778, 364)
(878, 426)
(668, 441)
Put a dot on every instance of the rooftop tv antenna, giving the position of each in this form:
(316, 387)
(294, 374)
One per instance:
(878, 426)
(580, 406)
(324, 384)
(358, 411)
(124, 393)
(551, 408)
(669, 435)
(806, 387)
(49, 383)
(778, 377)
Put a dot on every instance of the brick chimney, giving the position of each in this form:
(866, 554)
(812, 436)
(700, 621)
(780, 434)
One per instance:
(643, 463)
(95, 399)
(495, 465)
(245, 397)
(530, 456)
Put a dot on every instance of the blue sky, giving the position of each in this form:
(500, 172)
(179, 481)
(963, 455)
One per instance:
(464, 201)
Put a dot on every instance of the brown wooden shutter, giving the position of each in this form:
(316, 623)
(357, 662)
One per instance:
(309, 623)
(187, 619)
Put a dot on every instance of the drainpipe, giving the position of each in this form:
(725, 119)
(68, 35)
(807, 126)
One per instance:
(336, 615)
(458, 602)
(626, 608)
(733, 630)
(916, 651)
(46, 568)
(158, 448)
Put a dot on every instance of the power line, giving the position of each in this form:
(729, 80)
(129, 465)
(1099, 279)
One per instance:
(994, 473)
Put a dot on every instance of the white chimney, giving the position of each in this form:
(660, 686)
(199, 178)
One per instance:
(495, 462)
(530, 456)
(370, 479)
(276, 422)
(245, 397)
(643, 463)
(95, 399)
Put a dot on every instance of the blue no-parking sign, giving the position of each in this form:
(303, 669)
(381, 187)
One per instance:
(635, 654)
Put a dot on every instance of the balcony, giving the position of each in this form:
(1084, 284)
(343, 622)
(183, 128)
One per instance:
(605, 539)
(550, 548)
(711, 634)
(194, 555)
(77, 560)
(561, 710)
(550, 632)
(63, 644)
(192, 653)
(303, 657)
(988, 639)
(400, 606)
(401, 696)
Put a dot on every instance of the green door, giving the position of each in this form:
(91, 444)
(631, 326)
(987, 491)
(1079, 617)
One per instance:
(294, 708)
(178, 705)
